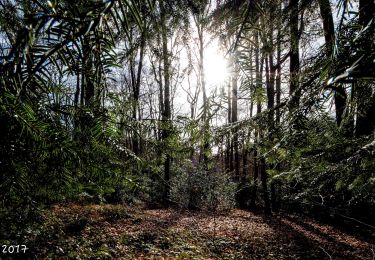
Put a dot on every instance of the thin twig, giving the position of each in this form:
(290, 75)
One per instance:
(330, 257)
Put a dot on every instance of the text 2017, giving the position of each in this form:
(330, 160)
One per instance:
(14, 249)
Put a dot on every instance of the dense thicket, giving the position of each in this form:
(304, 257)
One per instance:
(88, 92)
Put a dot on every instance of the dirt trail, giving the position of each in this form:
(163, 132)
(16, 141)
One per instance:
(119, 232)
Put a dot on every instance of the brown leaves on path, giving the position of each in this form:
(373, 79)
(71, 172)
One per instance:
(121, 232)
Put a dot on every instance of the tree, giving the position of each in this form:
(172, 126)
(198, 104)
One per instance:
(200, 11)
(294, 67)
(329, 36)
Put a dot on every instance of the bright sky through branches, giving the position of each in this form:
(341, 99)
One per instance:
(215, 65)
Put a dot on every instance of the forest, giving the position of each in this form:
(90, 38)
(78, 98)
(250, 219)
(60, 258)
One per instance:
(191, 129)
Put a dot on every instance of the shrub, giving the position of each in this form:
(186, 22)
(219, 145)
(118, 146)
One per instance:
(199, 189)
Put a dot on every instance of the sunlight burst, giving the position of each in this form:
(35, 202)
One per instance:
(215, 65)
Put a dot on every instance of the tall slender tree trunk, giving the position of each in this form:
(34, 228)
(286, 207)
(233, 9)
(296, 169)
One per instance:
(329, 36)
(258, 79)
(278, 69)
(234, 117)
(166, 116)
(87, 79)
(244, 159)
(255, 176)
(202, 80)
(270, 87)
(270, 105)
(294, 53)
(263, 177)
(136, 84)
(229, 135)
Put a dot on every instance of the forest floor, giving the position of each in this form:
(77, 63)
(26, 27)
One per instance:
(74, 231)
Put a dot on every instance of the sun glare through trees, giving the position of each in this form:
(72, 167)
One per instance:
(216, 67)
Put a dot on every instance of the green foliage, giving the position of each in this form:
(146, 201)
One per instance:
(198, 189)
(327, 170)
(54, 147)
